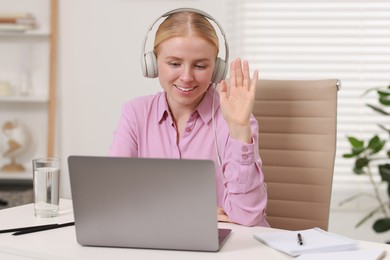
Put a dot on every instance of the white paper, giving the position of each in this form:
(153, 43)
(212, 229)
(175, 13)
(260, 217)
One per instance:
(362, 254)
(314, 240)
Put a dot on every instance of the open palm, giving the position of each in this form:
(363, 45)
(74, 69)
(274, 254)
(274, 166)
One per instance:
(237, 101)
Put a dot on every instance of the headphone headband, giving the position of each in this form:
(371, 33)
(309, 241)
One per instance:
(146, 59)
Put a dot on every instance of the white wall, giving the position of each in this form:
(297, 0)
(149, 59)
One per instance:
(99, 67)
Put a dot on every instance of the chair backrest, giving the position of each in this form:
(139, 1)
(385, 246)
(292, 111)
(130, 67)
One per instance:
(297, 144)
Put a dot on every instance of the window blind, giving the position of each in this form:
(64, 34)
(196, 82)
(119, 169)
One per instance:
(316, 39)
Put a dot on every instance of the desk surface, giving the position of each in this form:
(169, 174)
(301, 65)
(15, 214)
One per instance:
(61, 243)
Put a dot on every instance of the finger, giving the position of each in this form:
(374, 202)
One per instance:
(223, 218)
(223, 89)
(239, 75)
(254, 82)
(246, 82)
(232, 74)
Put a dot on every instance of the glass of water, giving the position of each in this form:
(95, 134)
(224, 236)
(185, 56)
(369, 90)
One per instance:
(46, 179)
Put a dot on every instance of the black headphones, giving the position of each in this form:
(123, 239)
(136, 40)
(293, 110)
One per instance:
(149, 60)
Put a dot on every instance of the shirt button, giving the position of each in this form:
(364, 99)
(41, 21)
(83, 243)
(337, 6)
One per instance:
(244, 157)
(188, 129)
(244, 149)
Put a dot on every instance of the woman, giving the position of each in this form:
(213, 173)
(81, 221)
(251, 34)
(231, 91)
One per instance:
(187, 121)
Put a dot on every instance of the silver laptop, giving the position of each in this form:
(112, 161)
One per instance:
(145, 203)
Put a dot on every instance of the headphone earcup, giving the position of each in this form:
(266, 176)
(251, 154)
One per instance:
(219, 71)
(149, 65)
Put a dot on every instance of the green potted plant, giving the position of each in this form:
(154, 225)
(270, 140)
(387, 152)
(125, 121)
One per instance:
(372, 154)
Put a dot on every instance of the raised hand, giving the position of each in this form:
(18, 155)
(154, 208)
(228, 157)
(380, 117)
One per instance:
(237, 101)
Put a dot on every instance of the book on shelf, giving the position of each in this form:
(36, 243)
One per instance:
(16, 15)
(17, 22)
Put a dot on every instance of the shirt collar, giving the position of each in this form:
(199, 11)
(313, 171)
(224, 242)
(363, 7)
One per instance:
(203, 109)
(162, 107)
(205, 106)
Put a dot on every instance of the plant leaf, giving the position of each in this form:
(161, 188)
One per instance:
(357, 147)
(388, 189)
(358, 150)
(373, 141)
(358, 171)
(384, 128)
(361, 162)
(383, 92)
(384, 101)
(376, 144)
(379, 110)
(355, 152)
(382, 225)
(355, 142)
(371, 89)
(384, 171)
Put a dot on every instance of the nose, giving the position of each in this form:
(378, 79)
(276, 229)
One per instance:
(187, 74)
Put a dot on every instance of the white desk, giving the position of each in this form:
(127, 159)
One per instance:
(61, 243)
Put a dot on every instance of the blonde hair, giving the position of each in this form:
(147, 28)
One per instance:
(185, 24)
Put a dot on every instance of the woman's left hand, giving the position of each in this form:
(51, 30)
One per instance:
(222, 217)
(237, 103)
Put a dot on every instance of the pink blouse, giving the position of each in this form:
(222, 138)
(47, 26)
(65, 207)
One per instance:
(146, 129)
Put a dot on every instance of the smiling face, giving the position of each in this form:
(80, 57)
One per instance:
(185, 67)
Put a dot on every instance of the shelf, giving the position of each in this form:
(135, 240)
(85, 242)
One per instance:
(26, 175)
(24, 99)
(39, 32)
(24, 34)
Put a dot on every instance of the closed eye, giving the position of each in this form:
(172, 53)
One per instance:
(174, 64)
(200, 66)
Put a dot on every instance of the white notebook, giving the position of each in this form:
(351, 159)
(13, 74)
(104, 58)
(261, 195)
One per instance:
(314, 240)
(361, 254)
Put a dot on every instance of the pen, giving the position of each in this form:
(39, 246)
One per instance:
(42, 228)
(300, 240)
(25, 228)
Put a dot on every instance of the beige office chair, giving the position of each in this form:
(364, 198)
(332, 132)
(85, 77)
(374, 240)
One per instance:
(297, 144)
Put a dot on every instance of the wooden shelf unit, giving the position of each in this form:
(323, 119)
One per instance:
(43, 104)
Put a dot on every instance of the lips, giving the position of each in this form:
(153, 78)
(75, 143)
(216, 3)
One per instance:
(184, 89)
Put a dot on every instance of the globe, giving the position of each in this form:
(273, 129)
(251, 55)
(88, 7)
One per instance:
(15, 141)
